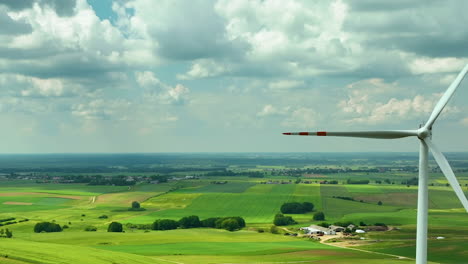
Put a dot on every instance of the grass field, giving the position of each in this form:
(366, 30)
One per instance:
(183, 246)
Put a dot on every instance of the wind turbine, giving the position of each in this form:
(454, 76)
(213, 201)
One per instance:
(424, 135)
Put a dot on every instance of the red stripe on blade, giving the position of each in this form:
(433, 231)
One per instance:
(287, 133)
(321, 133)
(303, 133)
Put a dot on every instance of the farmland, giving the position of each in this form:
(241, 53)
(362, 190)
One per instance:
(33, 190)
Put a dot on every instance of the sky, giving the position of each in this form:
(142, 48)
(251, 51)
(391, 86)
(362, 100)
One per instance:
(227, 75)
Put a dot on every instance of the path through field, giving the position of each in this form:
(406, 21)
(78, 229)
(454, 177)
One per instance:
(345, 245)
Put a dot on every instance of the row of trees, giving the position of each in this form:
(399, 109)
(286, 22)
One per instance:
(229, 223)
(225, 172)
(355, 181)
(297, 208)
(193, 221)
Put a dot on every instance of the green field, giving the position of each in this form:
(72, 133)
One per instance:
(80, 205)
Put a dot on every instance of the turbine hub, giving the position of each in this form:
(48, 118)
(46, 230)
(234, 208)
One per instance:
(424, 133)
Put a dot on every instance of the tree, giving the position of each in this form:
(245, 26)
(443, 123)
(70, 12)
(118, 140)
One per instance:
(326, 225)
(230, 224)
(165, 224)
(8, 233)
(90, 228)
(190, 222)
(115, 227)
(274, 230)
(47, 227)
(379, 203)
(281, 220)
(135, 205)
(307, 206)
(319, 216)
(210, 222)
(296, 208)
(239, 220)
(221, 223)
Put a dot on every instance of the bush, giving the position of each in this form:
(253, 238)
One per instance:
(380, 224)
(165, 224)
(103, 217)
(210, 222)
(64, 227)
(47, 227)
(139, 226)
(8, 233)
(261, 230)
(239, 220)
(319, 216)
(190, 222)
(297, 208)
(379, 203)
(115, 227)
(90, 228)
(281, 220)
(135, 205)
(326, 225)
(230, 224)
(274, 230)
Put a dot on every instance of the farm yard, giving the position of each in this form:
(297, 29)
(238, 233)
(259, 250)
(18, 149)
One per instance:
(257, 200)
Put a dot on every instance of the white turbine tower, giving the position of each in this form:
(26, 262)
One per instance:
(424, 135)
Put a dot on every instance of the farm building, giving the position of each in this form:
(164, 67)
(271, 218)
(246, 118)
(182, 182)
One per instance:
(337, 228)
(318, 230)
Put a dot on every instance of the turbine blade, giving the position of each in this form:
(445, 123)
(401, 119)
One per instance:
(390, 134)
(448, 172)
(446, 97)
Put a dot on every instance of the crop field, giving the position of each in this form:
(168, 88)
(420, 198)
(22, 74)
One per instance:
(79, 205)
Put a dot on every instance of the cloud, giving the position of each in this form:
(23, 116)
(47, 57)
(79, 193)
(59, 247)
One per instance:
(77, 46)
(436, 65)
(270, 110)
(285, 84)
(203, 68)
(426, 28)
(11, 26)
(368, 103)
(159, 92)
(186, 33)
(301, 118)
(61, 7)
(147, 79)
(177, 95)
(100, 109)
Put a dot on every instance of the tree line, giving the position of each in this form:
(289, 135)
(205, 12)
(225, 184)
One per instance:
(232, 223)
